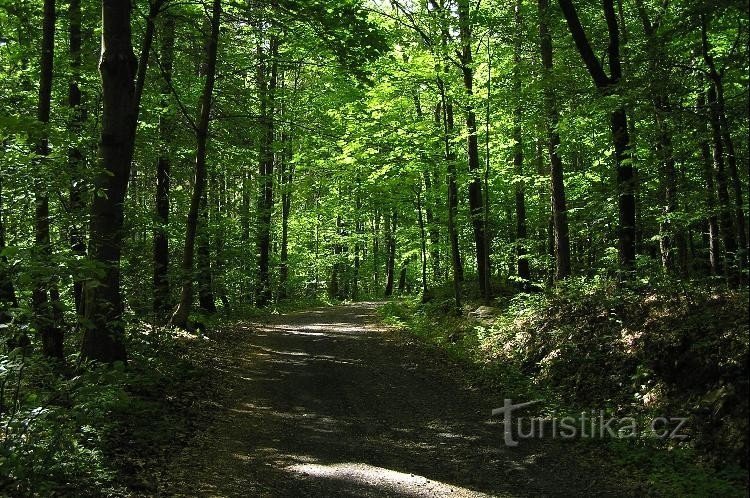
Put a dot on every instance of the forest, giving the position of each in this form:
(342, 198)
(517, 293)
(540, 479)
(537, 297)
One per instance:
(288, 247)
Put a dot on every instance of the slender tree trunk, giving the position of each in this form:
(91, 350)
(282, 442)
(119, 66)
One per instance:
(287, 177)
(423, 243)
(180, 316)
(521, 232)
(163, 174)
(445, 111)
(102, 338)
(476, 205)
(714, 249)
(75, 154)
(376, 249)
(390, 234)
(432, 225)
(266, 88)
(726, 225)
(43, 296)
(559, 203)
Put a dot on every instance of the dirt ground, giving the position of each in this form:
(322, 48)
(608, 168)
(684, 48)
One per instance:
(329, 403)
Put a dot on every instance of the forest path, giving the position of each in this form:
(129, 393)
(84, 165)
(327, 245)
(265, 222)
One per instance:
(329, 403)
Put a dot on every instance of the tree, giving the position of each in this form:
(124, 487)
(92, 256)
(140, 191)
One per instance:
(559, 202)
(103, 337)
(180, 317)
(608, 85)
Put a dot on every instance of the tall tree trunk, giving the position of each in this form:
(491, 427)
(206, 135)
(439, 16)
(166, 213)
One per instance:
(423, 242)
(163, 173)
(43, 298)
(476, 205)
(626, 181)
(671, 236)
(75, 154)
(390, 235)
(428, 202)
(287, 177)
(445, 112)
(180, 316)
(266, 88)
(714, 251)
(559, 203)
(376, 249)
(432, 224)
(524, 272)
(726, 225)
(204, 277)
(102, 338)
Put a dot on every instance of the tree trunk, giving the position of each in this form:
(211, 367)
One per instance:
(376, 249)
(557, 181)
(390, 235)
(204, 277)
(445, 111)
(75, 154)
(180, 316)
(423, 243)
(714, 251)
(163, 174)
(476, 205)
(103, 305)
(287, 176)
(432, 225)
(626, 180)
(524, 273)
(726, 225)
(266, 88)
(43, 300)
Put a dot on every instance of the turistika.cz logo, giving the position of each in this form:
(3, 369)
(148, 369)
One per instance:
(593, 424)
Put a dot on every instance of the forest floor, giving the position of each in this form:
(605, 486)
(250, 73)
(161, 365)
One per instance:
(329, 402)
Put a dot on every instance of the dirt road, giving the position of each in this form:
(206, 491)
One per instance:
(327, 403)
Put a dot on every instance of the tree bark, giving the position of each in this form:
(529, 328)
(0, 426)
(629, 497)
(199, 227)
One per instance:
(476, 205)
(390, 235)
(423, 242)
(266, 88)
(163, 173)
(75, 154)
(559, 203)
(180, 316)
(103, 306)
(524, 272)
(726, 225)
(43, 298)
(714, 251)
(204, 277)
(445, 111)
(626, 180)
